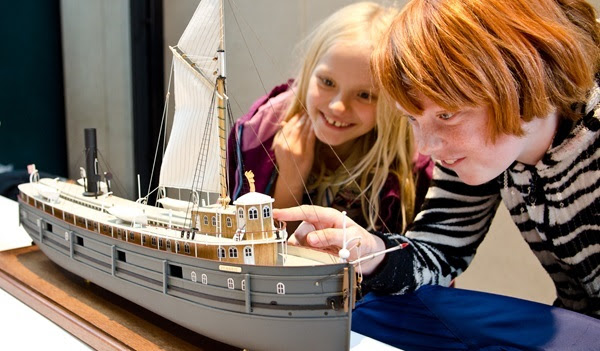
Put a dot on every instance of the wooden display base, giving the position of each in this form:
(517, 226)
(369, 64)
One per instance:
(99, 318)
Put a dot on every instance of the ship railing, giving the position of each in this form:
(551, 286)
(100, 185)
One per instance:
(186, 233)
(122, 232)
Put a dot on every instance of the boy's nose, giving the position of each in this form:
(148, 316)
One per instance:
(428, 143)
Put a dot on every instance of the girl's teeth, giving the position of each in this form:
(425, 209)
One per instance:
(336, 123)
(450, 162)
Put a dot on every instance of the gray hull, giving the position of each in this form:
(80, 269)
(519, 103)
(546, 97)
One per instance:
(236, 304)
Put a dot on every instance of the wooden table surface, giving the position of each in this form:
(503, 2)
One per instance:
(96, 316)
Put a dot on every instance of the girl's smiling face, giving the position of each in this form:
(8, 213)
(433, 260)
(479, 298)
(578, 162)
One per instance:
(459, 140)
(341, 98)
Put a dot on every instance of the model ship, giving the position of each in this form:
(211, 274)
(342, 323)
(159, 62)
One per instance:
(221, 269)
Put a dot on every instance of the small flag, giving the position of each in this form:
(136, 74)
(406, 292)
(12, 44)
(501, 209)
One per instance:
(31, 168)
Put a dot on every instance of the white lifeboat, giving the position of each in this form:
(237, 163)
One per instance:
(129, 214)
(174, 204)
(47, 192)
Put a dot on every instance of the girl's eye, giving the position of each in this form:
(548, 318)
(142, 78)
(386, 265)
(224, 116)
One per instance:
(326, 82)
(411, 119)
(445, 116)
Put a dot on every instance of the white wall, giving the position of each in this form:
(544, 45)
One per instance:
(97, 79)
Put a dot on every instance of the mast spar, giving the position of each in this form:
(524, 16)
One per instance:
(221, 108)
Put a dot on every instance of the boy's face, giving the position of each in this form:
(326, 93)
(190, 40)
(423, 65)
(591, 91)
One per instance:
(459, 141)
(341, 98)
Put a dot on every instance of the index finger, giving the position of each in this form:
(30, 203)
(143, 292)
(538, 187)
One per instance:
(320, 217)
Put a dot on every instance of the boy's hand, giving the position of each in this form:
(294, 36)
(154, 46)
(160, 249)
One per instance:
(322, 228)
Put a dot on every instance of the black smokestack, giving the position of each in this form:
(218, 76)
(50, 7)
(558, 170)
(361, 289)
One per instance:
(91, 163)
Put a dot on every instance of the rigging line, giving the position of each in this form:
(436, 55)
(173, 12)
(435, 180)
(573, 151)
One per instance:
(277, 168)
(387, 229)
(257, 37)
(118, 184)
(254, 131)
(162, 123)
(202, 155)
(378, 253)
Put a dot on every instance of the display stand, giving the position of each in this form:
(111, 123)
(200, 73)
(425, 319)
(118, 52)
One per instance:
(99, 318)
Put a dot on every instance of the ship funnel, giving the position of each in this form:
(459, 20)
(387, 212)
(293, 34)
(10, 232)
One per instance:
(91, 164)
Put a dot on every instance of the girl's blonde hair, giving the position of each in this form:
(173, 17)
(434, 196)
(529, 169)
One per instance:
(388, 148)
(522, 58)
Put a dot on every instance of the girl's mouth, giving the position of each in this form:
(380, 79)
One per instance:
(335, 123)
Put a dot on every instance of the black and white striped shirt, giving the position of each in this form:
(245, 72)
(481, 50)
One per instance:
(555, 204)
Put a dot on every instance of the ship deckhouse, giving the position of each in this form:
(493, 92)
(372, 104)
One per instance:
(254, 215)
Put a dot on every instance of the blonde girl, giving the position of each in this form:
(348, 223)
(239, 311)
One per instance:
(331, 138)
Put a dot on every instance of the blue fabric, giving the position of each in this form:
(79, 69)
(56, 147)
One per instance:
(441, 318)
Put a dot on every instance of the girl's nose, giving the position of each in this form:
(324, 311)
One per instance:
(338, 104)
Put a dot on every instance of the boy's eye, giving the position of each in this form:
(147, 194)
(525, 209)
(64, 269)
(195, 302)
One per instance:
(411, 118)
(445, 116)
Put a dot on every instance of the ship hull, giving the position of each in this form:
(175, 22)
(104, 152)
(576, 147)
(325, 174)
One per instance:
(233, 303)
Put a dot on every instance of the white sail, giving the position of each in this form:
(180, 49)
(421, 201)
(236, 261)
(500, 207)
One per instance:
(194, 93)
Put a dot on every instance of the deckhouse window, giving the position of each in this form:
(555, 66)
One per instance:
(233, 252)
(229, 223)
(230, 283)
(160, 243)
(248, 251)
(221, 252)
(153, 241)
(241, 213)
(168, 244)
(205, 220)
(131, 236)
(266, 212)
(252, 213)
(143, 240)
(186, 247)
(214, 221)
(280, 288)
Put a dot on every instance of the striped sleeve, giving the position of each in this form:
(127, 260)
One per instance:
(443, 239)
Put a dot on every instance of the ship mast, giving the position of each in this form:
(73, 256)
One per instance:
(221, 108)
(212, 75)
